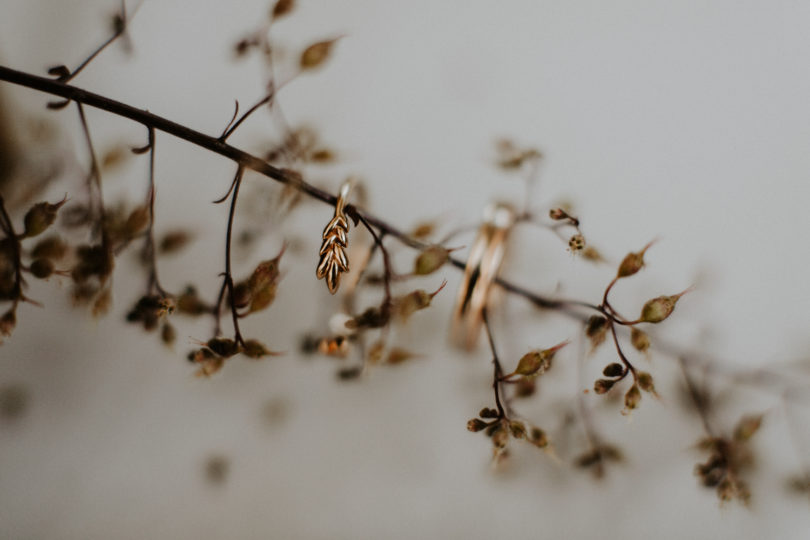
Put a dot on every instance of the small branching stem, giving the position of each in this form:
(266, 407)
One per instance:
(497, 374)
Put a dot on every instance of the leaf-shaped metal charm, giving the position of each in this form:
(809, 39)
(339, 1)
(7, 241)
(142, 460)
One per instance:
(333, 260)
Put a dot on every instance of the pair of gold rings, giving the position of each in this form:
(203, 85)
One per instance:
(484, 262)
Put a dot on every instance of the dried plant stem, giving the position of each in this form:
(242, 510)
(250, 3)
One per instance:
(698, 398)
(8, 229)
(571, 308)
(149, 246)
(497, 375)
(228, 278)
(232, 126)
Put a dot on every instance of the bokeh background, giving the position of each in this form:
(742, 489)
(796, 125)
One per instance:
(686, 122)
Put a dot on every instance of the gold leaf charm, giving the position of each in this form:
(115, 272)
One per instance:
(335, 240)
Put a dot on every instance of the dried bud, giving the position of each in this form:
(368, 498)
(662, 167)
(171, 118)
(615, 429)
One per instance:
(639, 339)
(208, 361)
(500, 438)
(94, 260)
(41, 216)
(412, 302)
(223, 346)
(592, 254)
(537, 437)
(174, 241)
(486, 412)
(537, 362)
(747, 427)
(645, 382)
(136, 222)
(373, 317)
(633, 262)
(557, 214)
(282, 7)
(596, 330)
(423, 230)
(7, 322)
(349, 373)
(632, 398)
(613, 370)
(601, 386)
(525, 387)
(576, 243)
(406, 305)
(263, 283)
(398, 355)
(512, 157)
(430, 260)
(102, 303)
(658, 309)
(256, 349)
(51, 247)
(518, 429)
(41, 268)
(190, 304)
(168, 334)
(322, 155)
(316, 54)
(476, 425)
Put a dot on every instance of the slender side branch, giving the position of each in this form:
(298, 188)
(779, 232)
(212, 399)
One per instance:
(496, 366)
(237, 181)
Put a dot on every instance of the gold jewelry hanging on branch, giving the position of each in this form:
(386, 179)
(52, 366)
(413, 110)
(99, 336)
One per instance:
(334, 261)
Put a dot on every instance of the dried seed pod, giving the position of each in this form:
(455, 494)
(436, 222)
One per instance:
(633, 262)
(576, 243)
(41, 268)
(282, 7)
(639, 339)
(658, 309)
(632, 398)
(596, 329)
(602, 386)
(430, 260)
(316, 54)
(537, 362)
(41, 216)
(645, 382)
(613, 370)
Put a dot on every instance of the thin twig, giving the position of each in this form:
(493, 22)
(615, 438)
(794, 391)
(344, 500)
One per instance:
(118, 31)
(496, 366)
(698, 398)
(231, 128)
(149, 247)
(228, 275)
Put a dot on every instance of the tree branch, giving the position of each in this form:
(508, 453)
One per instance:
(572, 308)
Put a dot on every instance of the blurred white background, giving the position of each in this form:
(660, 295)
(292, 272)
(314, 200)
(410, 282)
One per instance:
(683, 121)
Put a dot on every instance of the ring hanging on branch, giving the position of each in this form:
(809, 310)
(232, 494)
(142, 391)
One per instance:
(333, 260)
(485, 259)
